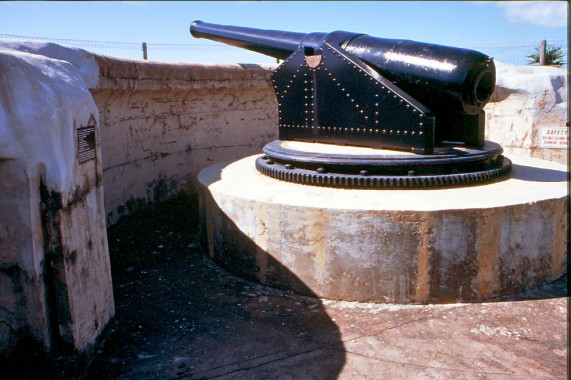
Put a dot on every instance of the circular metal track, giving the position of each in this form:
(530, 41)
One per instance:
(310, 177)
(445, 168)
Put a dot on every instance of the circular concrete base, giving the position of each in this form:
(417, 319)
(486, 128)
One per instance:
(398, 246)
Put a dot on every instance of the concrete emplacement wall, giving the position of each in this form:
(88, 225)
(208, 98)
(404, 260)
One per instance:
(162, 123)
(153, 126)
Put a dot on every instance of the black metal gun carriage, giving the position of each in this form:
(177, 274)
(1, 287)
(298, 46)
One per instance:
(412, 111)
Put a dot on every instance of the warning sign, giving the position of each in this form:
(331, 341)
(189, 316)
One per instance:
(554, 137)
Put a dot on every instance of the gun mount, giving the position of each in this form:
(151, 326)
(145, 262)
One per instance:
(418, 107)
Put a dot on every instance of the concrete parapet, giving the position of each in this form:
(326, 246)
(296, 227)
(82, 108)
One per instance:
(527, 102)
(161, 123)
(398, 246)
(55, 274)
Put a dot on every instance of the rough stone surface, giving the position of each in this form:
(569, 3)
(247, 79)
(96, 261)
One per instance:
(439, 245)
(526, 99)
(54, 265)
(162, 123)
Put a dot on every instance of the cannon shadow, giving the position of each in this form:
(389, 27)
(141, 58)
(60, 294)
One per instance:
(293, 337)
(534, 174)
(179, 315)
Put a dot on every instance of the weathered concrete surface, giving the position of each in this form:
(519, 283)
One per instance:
(414, 246)
(82, 60)
(162, 123)
(215, 325)
(497, 340)
(54, 266)
(526, 99)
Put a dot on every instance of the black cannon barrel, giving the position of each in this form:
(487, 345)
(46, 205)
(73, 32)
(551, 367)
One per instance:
(441, 77)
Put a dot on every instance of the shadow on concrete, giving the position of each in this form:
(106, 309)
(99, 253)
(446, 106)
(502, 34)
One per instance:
(178, 315)
(556, 289)
(534, 174)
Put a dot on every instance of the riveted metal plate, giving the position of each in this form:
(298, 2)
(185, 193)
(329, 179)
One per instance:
(343, 101)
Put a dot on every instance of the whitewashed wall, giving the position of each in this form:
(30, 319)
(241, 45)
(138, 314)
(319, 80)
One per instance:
(162, 123)
(529, 102)
(55, 275)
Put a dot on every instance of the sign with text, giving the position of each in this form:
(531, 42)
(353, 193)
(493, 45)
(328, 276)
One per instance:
(86, 143)
(554, 137)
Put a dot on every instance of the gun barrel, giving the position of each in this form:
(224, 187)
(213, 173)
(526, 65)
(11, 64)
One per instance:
(443, 78)
(275, 43)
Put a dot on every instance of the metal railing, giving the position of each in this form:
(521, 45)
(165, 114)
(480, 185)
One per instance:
(511, 53)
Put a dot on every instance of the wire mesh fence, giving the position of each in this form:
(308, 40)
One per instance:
(195, 53)
(511, 53)
(516, 53)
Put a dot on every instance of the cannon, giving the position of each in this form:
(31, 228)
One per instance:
(348, 88)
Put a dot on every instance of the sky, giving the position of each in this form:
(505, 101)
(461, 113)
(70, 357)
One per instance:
(455, 23)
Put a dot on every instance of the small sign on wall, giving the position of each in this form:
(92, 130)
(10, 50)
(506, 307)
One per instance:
(86, 143)
(554, 137)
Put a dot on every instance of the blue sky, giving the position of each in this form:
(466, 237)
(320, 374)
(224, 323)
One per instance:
(446, 22)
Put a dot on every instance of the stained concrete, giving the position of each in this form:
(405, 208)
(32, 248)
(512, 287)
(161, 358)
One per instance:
(55, 276)
(163, 122)
(179, 316)
(391, 245)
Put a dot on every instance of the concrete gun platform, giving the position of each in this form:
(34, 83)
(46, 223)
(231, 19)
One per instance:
(435, 245)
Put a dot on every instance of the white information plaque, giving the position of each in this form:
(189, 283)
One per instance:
(554, 137)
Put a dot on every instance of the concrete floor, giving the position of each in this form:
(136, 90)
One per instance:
(181, 316)
(231, 329)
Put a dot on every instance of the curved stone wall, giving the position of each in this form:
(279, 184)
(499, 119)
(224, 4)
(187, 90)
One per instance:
(161, 123)
(528, 102)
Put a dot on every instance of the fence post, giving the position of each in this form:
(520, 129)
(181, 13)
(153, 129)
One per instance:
(542, 51)
(144, 50)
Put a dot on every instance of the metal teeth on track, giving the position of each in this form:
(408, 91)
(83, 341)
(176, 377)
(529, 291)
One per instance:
(379, 181)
